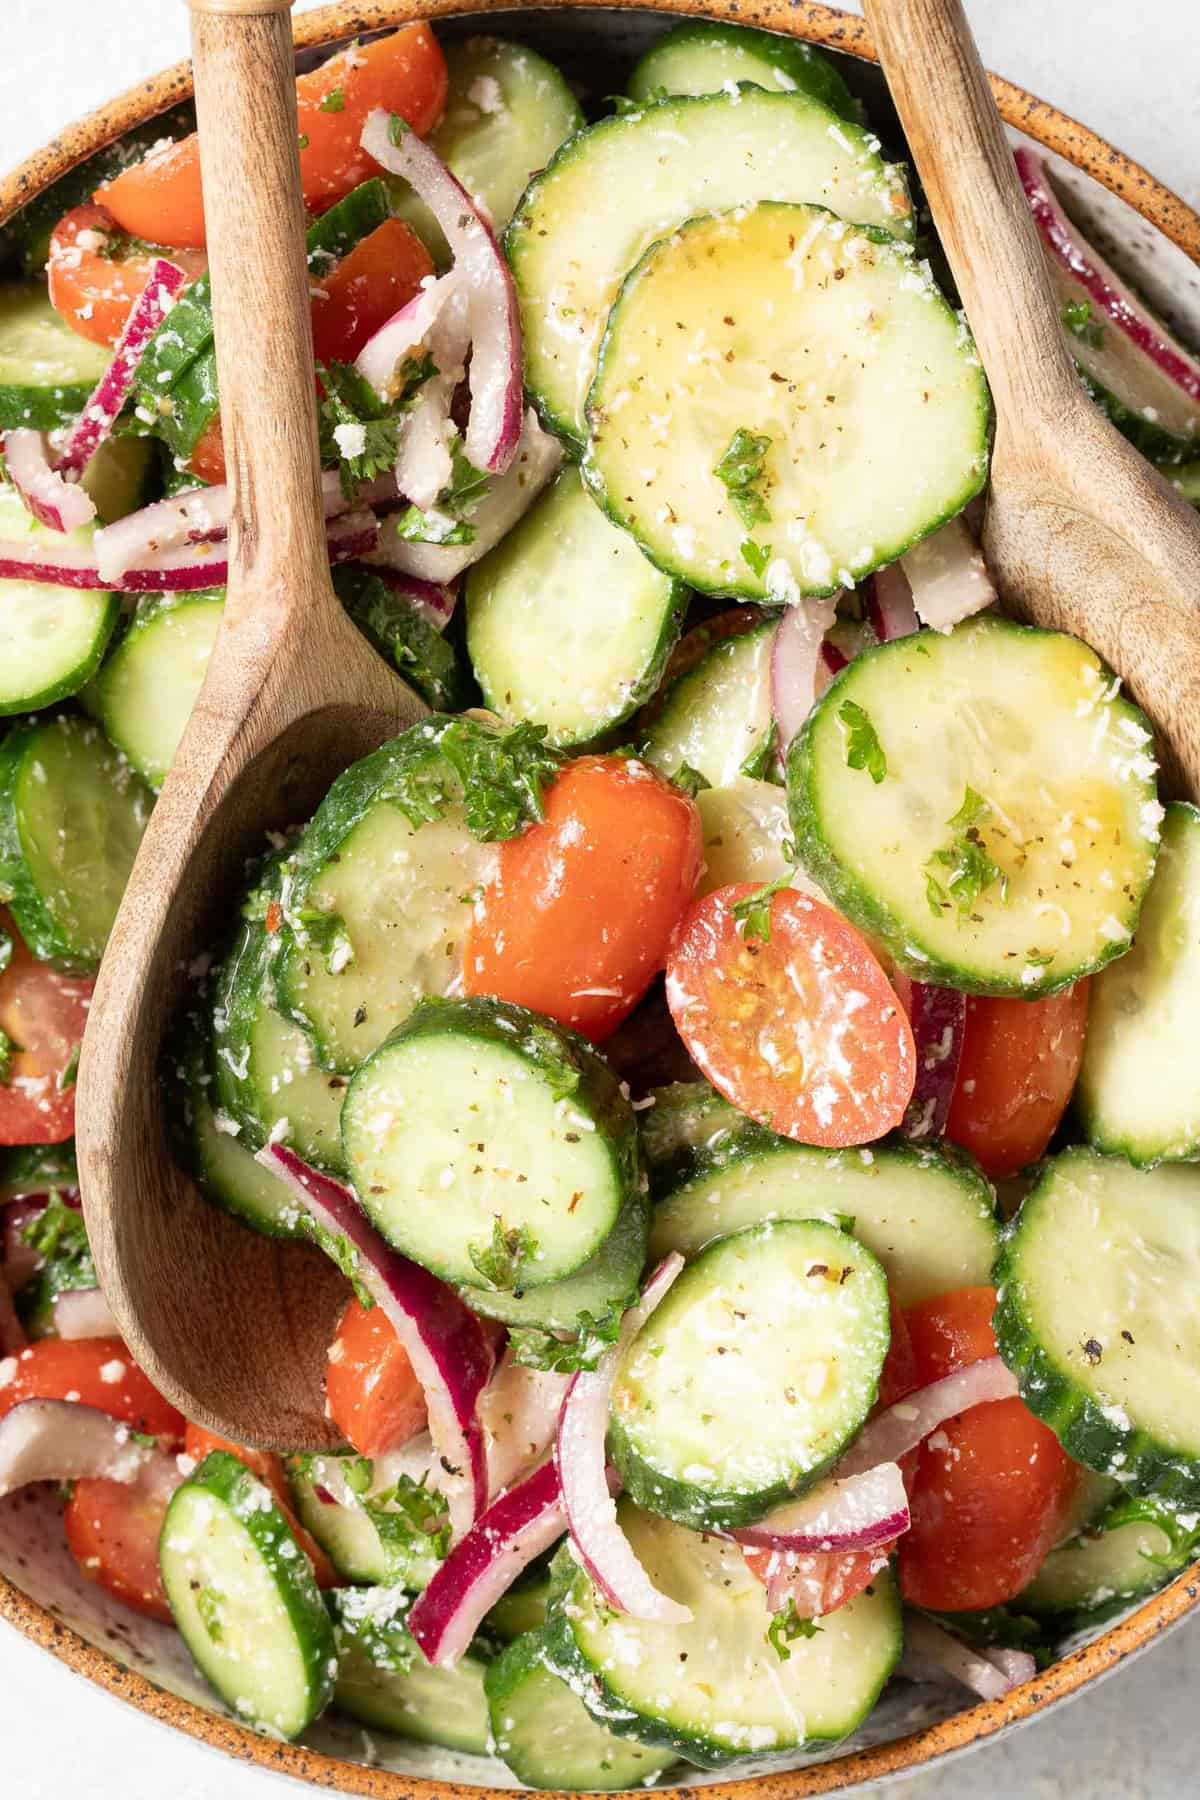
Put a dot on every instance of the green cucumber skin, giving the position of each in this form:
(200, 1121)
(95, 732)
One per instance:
(1142, 433)
(40, 408)
(1151, 1575)
(688, 1123)
(811, 72)
(70, 684)
(866, 909)
(566, 1660)
(752, 587)
(517, 1030)
(1184, 476)
(710, 1509)
(423, 656)
(607, 1279)
(1086, 1431)
(97, 699)
(232, 1486)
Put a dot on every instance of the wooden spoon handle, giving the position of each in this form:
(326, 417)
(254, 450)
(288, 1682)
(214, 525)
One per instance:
(958, 145)
(254, 216)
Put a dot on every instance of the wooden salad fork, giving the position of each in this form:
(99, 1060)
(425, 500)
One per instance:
(231, 1326)
(1080, 534)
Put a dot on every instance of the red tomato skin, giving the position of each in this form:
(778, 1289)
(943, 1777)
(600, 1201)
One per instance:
(379, 276)
(1019, 1063)
(95, 293)
(43, 1011)
(160, 198)
(993, 1488)
(841, 1078)
(199, 1443)
(829, 1579)
(113, 1532)
(374, 1398)
(577, 921)
(97, 1372)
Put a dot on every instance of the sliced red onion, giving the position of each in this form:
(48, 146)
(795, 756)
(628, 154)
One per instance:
(599, 1543)
(809, 1583)
(484, 1564)
(12, 1332)
(890, 604)
(938, 1017)
(1016, 1666)
(411, 328)
(450, 1355)
(508, 497)
(519, 1411)
(948, 577)
(494, 424)
(1136, 356)
(975, 1669)
(350, 536)
(61, 1440)
(100, 414)
(798, 663)
(84, 1313)
(892, 1434)
(53, 501)
(857, 1513)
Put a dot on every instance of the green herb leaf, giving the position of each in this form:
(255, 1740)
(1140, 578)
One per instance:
(753, 912)
(1077, 319)
(209, 1605)
(59, 1236)
(502, 775)
(302, 140)
(969, 871)
(755, 556)
(785, 1627)
(358, 431)
(334, 101)
(690, 780)
(7, 1051)
(741, 470)
(862, 747)
(761, 761)
(446, 521)
(66, 1079)
(340, 1250)
(398, 130)
(534, 1348)
(411, 1519)
(502, 1263)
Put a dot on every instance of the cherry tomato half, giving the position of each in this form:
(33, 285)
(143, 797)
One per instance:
(112, 1532)
(43, 1013)
(1019, 1063)
(199, 1443)
(375, 1400)
(97, 1372)
(95, 278)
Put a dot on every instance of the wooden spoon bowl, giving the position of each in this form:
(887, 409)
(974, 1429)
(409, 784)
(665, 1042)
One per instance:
(231, 1326)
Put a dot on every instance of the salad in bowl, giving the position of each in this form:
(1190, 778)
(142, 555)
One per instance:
(735, 1045)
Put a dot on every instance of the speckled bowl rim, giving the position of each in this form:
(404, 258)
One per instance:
(1177, 221)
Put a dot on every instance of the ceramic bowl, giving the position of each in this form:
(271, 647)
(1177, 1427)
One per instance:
(1144, 227)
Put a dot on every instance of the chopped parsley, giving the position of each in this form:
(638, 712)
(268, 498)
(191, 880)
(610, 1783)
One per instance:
(690, 780)
(209, 1604)
(761, 760)
(59, 1236)
(502, 1263)
(446, 521)
(863, 749)
(497, 774)
(410, 1518)
(7, 1051)
(334, 101)
(534, 1348)
(753, 912)
(67, 1078)
(740, 472)
(786, 1626)
(1077, 319)
(962, 871)
(340, 1250)
(358, 429)
(302, 140)
(398, 130)
(755, 556)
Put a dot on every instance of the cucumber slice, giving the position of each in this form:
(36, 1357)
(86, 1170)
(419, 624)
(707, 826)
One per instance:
(244, 1598)
(51, 638)
(688, 1121)
(717, 717)
(1138, 1095)
(209, 1144)
(928, 1215)
(428, 660)
(704, 57)
(486, 1141)
(547, 1737)
(507, 111)
(266, 1072)
(605, 1286)
(1096, 1317)
(523, 1609)
(717, 1689)
(144, 694)
(829, 350)
(746, 828)
(698, 1429)
(1132, 1550)
(356, 1514)
(389, 898)
(47, 371)
(696, 154)
(72, 813)
(568, 625)
(384, 1681)
(1015, 735)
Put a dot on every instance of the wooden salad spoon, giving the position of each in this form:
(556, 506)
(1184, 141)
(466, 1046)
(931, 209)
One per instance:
(1080, 533)
(231, 1326)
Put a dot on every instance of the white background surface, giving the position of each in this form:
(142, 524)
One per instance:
(1132, 72)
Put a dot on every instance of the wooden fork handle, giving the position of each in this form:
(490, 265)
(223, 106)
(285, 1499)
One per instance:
(958, 144)
(254, 217)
